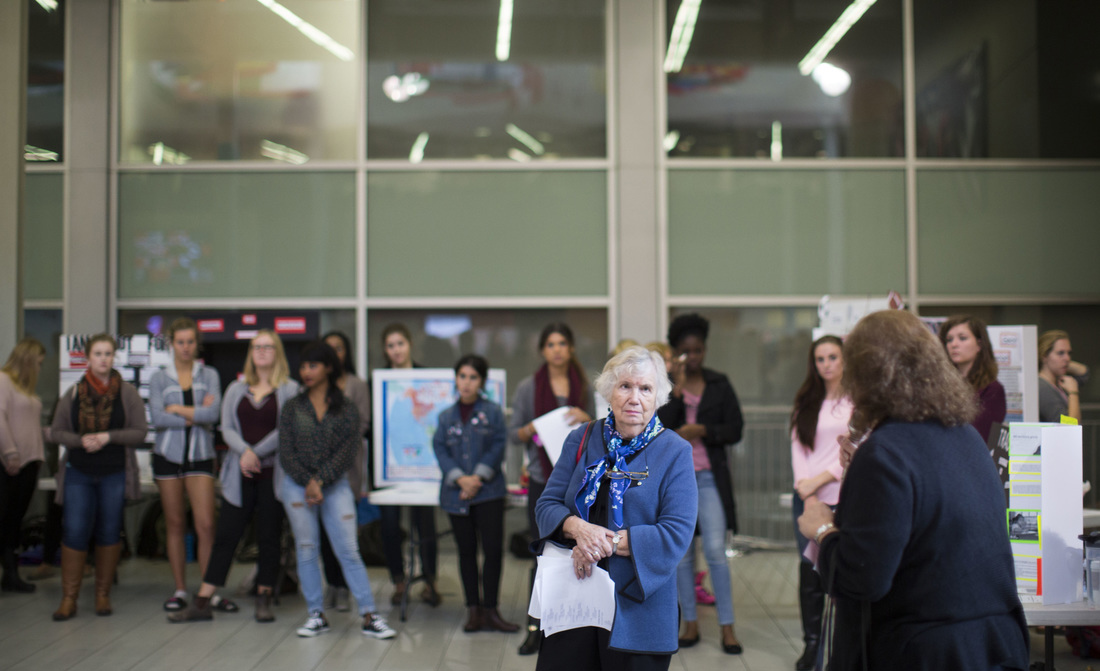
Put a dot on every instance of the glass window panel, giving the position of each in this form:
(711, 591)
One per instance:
(236, 80)
(45, 81)
(487, 234)
(436, 80)
(43, 237)
(195, 235)
(786, 232)
(1008, 232)
(1006, 80)
(45, 326)
(1081, 322)
(740, 92)
(507, 338)
(763, 351)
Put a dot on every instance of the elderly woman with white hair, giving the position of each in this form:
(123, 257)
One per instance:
(625, 500)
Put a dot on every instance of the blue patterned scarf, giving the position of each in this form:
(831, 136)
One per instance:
(617, 452)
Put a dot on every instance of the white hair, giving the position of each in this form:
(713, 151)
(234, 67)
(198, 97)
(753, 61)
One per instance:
(635, 361)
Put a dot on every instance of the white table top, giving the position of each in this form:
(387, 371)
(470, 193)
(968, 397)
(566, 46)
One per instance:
(411, 494)
(1061, 614)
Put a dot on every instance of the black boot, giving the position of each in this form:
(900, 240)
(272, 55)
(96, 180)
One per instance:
(11, 581)
(533, 641)
(811, 601)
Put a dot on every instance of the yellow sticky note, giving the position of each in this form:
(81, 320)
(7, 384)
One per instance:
(1066, 419)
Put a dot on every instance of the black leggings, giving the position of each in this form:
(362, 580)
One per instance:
(15, 497)
(257, 495)
(487, 521)
(586, 649)
(534, 491)
(424, 523)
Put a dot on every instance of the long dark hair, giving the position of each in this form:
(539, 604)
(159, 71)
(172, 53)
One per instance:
(562, 329)
(399, 328)
(984, 369)
(321, 352)
(349, 356)
(810, 396)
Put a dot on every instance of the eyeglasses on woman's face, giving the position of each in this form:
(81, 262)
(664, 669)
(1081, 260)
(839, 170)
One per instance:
(264, 347)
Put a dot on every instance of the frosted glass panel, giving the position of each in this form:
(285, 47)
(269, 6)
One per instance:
(786, 232)
(193, 235)
(238, 79)
(43, 237)
(1009, 232)
(487, 234)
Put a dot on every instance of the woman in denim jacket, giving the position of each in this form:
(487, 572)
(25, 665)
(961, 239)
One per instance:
(469, 445)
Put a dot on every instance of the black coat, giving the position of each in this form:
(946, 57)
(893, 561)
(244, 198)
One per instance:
(922, 558)
(720, 412)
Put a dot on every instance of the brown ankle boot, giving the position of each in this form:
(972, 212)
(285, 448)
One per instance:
(473, 619)
(106, 561)
(72, 573)
(263, 607)
(493, 620)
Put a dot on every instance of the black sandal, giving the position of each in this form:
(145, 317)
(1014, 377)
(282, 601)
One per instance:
(174, 604)
(223, 605)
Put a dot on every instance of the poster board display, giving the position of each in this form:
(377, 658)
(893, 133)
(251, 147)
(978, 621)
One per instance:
(838, 316)
(1045, 510)
(1016, 352)
(406, 407)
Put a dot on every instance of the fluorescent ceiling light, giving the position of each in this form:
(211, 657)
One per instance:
(526, 138)
(416, 154)
(281, 152)
(517, 155)
(777, 140)
(315, 34)
(820, 50)
(671, 138)
(33, 153)
(504, 30)
(48, 5)
(682, 30)
(833, 81)
(400, 89)
(162, 154)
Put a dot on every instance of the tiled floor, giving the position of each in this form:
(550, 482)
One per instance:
(138, 637)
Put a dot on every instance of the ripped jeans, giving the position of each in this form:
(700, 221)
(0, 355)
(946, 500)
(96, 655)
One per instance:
(337, 513)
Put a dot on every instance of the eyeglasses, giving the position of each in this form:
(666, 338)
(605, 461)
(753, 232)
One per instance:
(264, 348)
(635, 476)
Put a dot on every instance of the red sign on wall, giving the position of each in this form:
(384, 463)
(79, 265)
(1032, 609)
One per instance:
(211, 325)
(290, 324)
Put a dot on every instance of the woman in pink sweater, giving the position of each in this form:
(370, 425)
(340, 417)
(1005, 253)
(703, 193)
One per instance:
(21, 440)
(821, 414)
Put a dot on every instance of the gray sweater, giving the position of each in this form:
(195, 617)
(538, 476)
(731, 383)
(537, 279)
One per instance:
(523, 411)
(164, 390)
(231, 431)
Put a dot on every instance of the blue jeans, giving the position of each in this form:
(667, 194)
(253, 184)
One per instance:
(92, 503)
(712, 527)
(337, 513)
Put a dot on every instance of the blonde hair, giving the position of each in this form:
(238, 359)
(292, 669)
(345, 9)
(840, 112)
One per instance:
(280, 372)
(894, 368)
(623, 344)
(659, 347)
(22, 364)
(1046, 343)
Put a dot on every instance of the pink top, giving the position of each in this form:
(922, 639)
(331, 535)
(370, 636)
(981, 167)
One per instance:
(832, 421)
(698, 449)
(21, 430)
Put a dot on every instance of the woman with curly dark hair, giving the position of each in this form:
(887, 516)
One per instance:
(916, 557)
(967, 344)
(703, 409)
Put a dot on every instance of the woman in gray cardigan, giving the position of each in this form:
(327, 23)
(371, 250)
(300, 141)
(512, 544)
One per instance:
(250, 475)
(184, 404)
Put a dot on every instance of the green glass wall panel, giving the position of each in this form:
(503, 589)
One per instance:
(487, 234)
(786, 232)
(223, 235)
(1008, 232)
(43, 237)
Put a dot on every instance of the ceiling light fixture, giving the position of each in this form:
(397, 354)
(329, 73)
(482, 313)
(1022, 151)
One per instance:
(682, 31)
(315, 34)
(526, 138)
(819, 51)
(504, 30)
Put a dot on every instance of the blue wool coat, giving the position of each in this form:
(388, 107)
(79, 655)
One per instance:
(659, 513)
(473, 448)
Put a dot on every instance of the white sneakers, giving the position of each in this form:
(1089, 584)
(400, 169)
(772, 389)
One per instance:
(373, 625)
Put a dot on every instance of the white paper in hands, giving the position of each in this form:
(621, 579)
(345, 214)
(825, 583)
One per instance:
(553, 428)
(563, 601)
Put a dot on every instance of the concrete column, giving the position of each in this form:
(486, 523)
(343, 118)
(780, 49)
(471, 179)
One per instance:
(638, 141)
(88, 137)
(13, 129)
